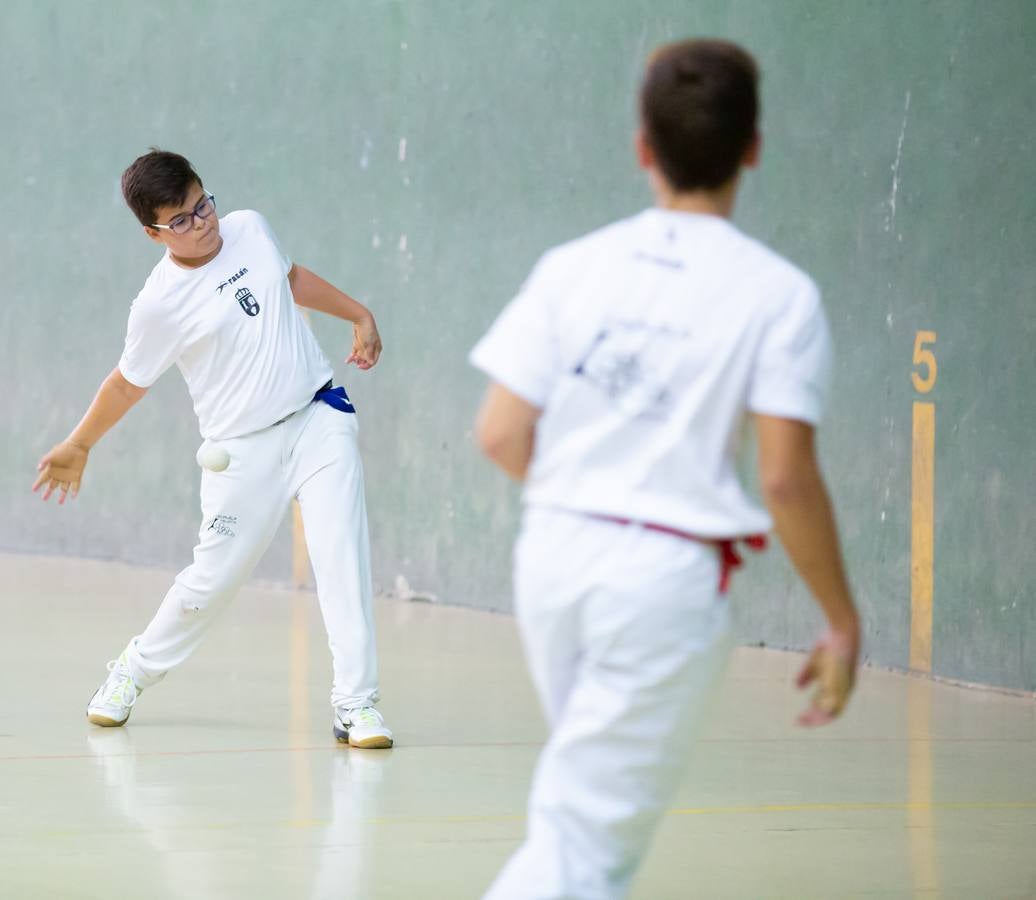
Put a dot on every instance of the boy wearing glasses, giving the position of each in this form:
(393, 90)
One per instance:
(222, 304)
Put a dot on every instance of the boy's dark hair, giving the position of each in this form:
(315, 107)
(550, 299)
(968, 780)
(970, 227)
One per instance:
(157, 179)
(698, 108)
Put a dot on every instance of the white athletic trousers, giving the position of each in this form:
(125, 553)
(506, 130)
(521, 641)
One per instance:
(311, 455)
(624, 633)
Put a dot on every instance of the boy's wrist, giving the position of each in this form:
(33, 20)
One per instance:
(847, 622)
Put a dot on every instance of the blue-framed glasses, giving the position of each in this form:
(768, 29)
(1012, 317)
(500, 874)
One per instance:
(185, 222)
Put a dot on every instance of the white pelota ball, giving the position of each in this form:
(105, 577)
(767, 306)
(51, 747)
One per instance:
(213, 457)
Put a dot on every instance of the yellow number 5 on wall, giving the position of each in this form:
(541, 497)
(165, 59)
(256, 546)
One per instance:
(924, 357)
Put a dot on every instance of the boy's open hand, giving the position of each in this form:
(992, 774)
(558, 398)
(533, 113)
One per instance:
(366, 344)
(832, 665)
(62, 469)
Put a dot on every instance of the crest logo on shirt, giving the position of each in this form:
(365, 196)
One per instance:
(248, 303)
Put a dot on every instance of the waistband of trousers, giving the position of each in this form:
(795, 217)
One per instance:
(729, 558)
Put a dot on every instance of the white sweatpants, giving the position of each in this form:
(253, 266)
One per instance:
(312, 455)
(624, 634)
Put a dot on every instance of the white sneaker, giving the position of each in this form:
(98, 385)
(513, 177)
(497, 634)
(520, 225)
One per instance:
(111, 704)
(361, 727)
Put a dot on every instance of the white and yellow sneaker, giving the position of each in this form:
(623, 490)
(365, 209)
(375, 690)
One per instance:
(111, 703)
(361, 727)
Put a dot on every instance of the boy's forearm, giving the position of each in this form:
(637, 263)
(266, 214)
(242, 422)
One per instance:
(512, 457)
(506, 430)
(805, 524)
(113, 400)
(312, 292)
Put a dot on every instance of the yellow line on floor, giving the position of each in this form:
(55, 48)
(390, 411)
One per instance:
(976, 805)
(920, 818)
(258, 823)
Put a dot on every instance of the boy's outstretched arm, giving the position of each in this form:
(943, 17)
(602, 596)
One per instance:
(312, 292)
(62, 468)
(794, 491)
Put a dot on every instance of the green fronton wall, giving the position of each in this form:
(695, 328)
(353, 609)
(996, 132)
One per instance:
(423, 154)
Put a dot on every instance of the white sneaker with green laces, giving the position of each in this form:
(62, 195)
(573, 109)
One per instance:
(361, 727)
(111, 704)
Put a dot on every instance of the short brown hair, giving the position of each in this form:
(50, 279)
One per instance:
(157, 179)
(698, 109)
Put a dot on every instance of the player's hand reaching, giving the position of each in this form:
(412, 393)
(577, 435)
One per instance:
(832, 666)
(62, 470)
(366, 344)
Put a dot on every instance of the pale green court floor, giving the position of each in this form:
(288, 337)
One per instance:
(227, 782)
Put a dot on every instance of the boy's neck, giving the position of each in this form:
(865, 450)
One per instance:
(198, 261)
(718, 202)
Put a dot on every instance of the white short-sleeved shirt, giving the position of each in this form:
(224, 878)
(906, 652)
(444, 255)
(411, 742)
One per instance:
(645, 344)
(233, 330)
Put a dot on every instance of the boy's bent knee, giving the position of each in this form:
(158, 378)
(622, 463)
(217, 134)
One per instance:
(198, 602)
(193, 601)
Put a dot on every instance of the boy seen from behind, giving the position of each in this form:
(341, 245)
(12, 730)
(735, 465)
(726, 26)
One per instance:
(621, 375)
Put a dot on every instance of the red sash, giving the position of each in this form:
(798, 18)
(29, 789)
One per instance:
(729, 558)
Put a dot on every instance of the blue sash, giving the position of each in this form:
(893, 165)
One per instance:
(336, 398)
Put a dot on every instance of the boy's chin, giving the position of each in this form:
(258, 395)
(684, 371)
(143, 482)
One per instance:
(206, 244)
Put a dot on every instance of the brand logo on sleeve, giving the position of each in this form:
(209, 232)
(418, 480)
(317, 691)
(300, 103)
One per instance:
(248, 303)
(223, 525)
(231, 280)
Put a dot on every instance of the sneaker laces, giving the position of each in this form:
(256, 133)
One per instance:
(365, 715)
(117, 685)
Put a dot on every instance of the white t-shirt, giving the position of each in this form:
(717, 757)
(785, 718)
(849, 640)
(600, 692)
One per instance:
(645, 343)
(233, 330)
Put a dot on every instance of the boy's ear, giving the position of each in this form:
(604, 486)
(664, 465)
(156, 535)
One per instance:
(153, 233)
(754, 151)
(645, 155)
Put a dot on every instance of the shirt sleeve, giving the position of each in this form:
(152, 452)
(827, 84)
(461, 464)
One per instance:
(520, 350)
(152, 345)
(792, 374)
(267, 231)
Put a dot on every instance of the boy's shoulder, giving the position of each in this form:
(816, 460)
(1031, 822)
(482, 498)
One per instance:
(249, 224)
(242, 221)
(573, 255)
(769, 263)
(600, 238)
(243, 217)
